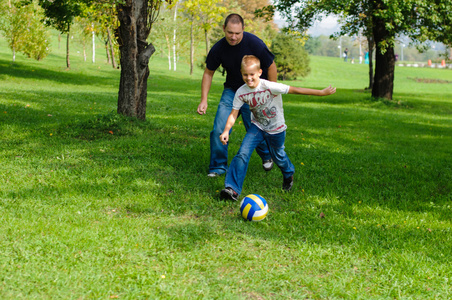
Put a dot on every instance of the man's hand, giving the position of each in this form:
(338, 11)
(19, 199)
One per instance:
(205, 87)
(224, 138)
(202, 108)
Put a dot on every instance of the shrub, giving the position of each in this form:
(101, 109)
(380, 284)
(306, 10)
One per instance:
(291, 58)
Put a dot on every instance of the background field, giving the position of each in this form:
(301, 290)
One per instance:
(97, 206)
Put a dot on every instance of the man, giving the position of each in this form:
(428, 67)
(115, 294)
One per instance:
(229, 52)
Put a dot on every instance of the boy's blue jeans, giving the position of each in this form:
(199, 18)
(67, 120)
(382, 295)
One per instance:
(254, 136)
(218, 151)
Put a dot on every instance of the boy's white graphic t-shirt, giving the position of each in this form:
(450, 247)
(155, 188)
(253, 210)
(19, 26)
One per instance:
(265, 103)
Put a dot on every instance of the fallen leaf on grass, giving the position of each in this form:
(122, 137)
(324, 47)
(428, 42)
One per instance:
(322, 215)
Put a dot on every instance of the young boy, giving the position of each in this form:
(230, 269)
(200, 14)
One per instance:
(265, 101)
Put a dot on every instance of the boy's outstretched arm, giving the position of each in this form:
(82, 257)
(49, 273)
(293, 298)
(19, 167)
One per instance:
(303, 91)
(224, 137)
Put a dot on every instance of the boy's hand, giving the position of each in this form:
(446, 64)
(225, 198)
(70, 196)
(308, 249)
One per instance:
(328, 91)
(224, 138)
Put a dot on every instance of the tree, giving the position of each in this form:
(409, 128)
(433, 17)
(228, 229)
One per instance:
(382, 22)
(21, 26)
(135, 22)
(61, 14)
(170, 34)
(204, 13)
(290, 57)
(102, 16)
(313, 45)
(211, 14)
(263, 27)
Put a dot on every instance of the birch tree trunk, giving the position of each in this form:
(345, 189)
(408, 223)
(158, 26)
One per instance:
(94, 44)
(112, 50)
(168, 44)
(174, 37)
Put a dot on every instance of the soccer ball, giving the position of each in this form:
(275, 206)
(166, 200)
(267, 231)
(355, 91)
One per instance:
(254, 208)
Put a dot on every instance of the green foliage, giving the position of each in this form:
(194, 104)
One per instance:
(61, 13)
(419, 20)
(291, 59)
(313, 45)
(22, 27)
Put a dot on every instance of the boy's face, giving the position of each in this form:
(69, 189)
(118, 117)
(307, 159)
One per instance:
(250, 75)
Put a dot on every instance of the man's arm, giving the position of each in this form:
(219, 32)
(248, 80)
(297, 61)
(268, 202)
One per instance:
(272, 73)
(205, 88)
(224, 137)
(303, 91)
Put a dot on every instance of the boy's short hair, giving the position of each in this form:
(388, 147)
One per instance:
(234, 19)
(249, 60)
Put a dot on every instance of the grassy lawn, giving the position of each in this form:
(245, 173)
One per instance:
(97, 206)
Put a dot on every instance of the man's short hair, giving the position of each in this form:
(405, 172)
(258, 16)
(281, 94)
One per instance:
(249, 60)
(234, 19)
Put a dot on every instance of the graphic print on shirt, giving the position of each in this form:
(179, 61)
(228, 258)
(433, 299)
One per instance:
(260, 103)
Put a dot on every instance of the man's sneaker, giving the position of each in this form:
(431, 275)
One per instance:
(287, 183)
(229, 194)
(213, 174)
(267, 164)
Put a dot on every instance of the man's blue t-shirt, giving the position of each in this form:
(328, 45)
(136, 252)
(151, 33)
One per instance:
(230, 57)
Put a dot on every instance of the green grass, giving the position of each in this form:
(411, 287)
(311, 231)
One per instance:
(97, 206)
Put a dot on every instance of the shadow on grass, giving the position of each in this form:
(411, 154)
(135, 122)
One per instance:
(353, 152)
(20, 70)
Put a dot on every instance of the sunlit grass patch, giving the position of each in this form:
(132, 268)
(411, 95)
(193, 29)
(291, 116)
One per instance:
(97, 205)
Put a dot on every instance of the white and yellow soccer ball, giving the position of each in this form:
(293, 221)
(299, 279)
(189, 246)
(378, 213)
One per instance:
(254, 207)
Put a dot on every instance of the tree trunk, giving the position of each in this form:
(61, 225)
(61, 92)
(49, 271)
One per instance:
(168, 44)
(384, 63)
(192, 48)
(135, 53)
(112, 50)
(174, 37)
(108, 52)
(370, 46)
(94, 44)
(206, 36)
(68, 63)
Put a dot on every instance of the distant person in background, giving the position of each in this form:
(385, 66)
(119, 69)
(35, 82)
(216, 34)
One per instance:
(366, 57)
(345, 54)
(360, 58)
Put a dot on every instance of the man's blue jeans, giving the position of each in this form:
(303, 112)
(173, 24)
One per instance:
(254, 136)
(218, 151)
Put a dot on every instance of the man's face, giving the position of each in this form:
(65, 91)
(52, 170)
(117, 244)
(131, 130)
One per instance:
(250, 75)
(233, 33)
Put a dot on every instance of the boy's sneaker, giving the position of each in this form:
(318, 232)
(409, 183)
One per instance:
(267, 164)
(213, 174)
(287, 184)
(229, 194)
